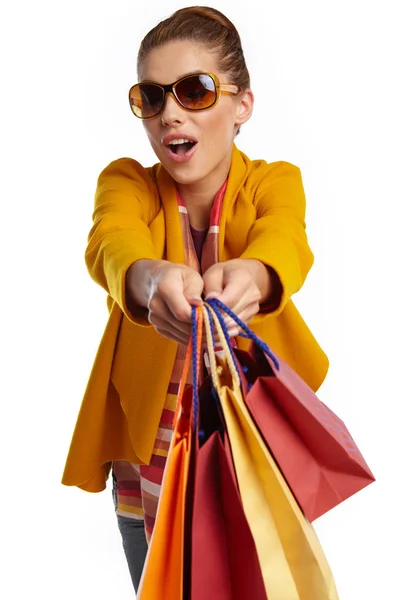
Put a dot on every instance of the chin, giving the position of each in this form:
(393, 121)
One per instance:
(188, 176)
(183, 174)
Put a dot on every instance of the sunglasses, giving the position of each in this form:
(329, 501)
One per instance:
(194, 92)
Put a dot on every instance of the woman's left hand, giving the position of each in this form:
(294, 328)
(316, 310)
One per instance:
(241, 284)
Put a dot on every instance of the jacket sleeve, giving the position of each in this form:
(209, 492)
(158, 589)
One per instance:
(278, 237)
(120, 234)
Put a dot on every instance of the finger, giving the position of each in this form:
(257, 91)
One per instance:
(247, 298)
(162, 318)
(246, 315)
(236, 286)
(244, 310)
(233, 332)
(229, 322)
(170, 291)
(213, 282)
(173, 336)
(193, 286)
(239, 292)
(173, 326)
(249, 312)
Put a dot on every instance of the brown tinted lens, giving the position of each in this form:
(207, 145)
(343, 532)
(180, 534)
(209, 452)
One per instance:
(196, 92)
(146, 99)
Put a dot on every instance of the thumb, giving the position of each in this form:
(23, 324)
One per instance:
(213, 282)
(193, 287)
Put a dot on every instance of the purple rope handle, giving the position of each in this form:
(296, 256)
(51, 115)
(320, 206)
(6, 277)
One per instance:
(217, 305)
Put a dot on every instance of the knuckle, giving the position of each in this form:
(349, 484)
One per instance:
(180, 314)
(164, 285)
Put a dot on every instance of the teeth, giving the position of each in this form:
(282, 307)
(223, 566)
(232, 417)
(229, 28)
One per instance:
(179, 141)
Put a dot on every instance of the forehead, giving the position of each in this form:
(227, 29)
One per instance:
(175, 60)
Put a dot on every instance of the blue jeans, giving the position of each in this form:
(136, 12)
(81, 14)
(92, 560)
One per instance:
(134, 542)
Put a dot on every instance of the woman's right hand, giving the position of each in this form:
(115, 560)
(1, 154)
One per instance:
(168, 290)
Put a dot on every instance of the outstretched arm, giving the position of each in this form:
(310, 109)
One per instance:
(121, 256)
(277, 259)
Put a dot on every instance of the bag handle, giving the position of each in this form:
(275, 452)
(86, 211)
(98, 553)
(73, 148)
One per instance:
(217, 306)
(210, 317)
(197, 336)
(193, 353)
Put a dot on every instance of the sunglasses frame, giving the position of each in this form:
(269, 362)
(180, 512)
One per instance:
(220, 88)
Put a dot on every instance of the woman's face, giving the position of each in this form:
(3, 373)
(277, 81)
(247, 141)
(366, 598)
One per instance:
(214, 129)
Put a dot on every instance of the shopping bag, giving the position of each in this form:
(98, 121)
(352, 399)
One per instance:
(163, 573)
(224, 558)
(312, 446)
(292, 562)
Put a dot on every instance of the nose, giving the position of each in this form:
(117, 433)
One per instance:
(172, 112)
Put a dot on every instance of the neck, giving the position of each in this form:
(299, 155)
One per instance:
(199, 197)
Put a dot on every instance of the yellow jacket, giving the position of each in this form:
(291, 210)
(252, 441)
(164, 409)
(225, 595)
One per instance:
(136, 217)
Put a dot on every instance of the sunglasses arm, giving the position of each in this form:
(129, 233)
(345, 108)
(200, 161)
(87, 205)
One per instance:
(229, 88)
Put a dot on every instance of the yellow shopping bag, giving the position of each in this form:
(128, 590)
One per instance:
(292, 561)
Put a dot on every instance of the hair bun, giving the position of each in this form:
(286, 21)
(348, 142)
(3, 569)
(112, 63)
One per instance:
(208, 13)
(205, 26)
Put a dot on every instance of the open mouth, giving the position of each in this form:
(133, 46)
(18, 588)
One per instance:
(181, 147)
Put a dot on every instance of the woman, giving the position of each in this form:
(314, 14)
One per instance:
(205, 221)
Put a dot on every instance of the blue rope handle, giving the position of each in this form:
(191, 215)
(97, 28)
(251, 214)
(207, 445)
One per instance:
(226, 334)
(194, 367)
(218, 306)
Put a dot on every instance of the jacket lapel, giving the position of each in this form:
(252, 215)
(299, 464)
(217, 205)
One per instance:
(174, 246)
(236, 178)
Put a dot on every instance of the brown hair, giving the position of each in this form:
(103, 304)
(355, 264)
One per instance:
(205, 26)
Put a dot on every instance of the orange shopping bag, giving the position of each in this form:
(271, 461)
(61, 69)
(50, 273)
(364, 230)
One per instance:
(163, 573)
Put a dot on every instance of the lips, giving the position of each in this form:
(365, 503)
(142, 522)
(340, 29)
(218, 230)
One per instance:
(182, 157)
(180, 152)
(178, 136)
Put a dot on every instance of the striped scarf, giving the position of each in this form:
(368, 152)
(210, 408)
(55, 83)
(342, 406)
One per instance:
(139, 486)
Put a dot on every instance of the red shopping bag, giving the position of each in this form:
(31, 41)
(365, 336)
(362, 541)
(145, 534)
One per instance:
(312, 446)
(224, 561)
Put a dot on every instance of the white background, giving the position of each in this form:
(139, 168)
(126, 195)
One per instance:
(325, 77)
